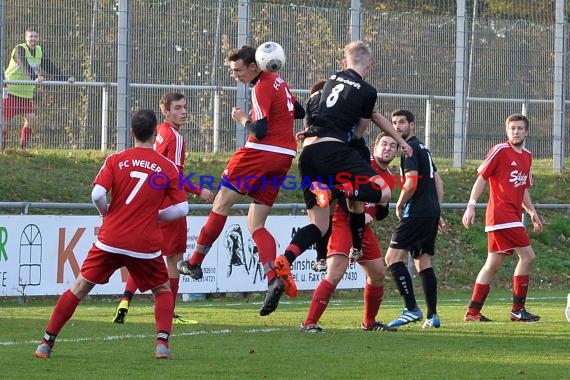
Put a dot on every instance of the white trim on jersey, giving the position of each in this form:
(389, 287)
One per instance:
(270, 148)
(120, 251)
(496, 149)
(255, 106)
(503, 226)
(178, 159)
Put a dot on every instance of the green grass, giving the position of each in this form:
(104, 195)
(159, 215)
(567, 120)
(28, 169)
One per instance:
(232, 342)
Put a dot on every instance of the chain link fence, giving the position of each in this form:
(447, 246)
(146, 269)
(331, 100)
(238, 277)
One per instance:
(181, 45)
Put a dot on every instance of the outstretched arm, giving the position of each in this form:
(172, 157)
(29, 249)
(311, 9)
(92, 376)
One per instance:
(385, 125)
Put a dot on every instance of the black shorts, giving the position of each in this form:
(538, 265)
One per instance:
(416, 235)
(331, 163)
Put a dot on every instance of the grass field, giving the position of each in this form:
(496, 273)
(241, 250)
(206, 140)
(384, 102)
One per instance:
(231, 341)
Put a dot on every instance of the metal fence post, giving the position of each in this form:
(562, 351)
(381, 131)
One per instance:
(459, 125)
(559, 85)
(427, 132)
(216, 147)
(2, 41)
(355, 20)
(104, 119)
(244, 37)
(123, 74)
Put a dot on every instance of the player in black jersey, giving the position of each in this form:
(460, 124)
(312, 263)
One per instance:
(346, 108)
(418, 211)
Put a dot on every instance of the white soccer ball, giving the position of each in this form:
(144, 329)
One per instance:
(270, 56)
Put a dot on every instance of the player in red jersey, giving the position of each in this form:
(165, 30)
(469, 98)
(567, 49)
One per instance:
(507, 168)
(170, 143)
(139, 180)
(385, 149)
(255, 170)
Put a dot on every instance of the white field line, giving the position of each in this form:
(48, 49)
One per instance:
(138, 336)
(227, 331)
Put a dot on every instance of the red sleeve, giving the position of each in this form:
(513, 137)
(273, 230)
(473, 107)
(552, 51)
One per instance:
(191, 187)
(165, 144)
(105, 175)
(488, 166)
(174, 192)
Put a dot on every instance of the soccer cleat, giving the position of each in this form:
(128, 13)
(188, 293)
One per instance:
(432, 322)
(311, 329)
(408, 316)
(121, 312)
(476, 318)
(274, 292)
(194, 271)
(320, 265)
(355, 254)
(522, 315)
(378, 326)
(179, 320)
(322, 193)
(283, 271)
(568, 308)
(162, 352)
(43, 351)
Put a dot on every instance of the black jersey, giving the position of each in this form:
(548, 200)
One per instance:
(424, 201)
(312, 107)
(345, 99)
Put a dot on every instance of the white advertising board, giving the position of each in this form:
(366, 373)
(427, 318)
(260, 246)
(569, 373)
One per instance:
(42, 255)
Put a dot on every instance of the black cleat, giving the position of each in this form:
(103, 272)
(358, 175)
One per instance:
(194, 271)
(379, 326)
(274, 292)
(311, 329)
(522, 315)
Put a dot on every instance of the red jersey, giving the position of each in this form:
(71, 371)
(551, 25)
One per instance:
(139, 180)
(371, 208)
(170, 143)
(271, 98)
(509, 175)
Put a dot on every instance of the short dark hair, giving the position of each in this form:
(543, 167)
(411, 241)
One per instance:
(518, 117)
(246, 53)
(409, 116)
(143, 125)
(31, 29)
(167, 99)
(384, 134)
(317, 86)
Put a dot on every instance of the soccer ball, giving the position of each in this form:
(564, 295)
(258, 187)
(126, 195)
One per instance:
(270, 56)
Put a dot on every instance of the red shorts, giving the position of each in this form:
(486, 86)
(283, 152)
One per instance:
(340, 241)
(174, 235)
(504, 241)
(257, 173)
(100, 265)
(14, 106)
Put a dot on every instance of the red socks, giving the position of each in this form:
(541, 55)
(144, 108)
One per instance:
(208, 235)
(520, 289)
(62, 312)
(267, 250)
(174, 283)
(319, 303)
(163, 312)
(480, 293)
(372, 300)
(130, 289)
